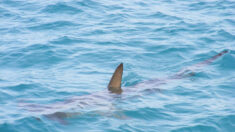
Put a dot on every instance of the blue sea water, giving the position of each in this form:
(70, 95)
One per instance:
(51, 51)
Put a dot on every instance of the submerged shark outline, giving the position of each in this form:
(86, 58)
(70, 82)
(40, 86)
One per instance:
(114, 87)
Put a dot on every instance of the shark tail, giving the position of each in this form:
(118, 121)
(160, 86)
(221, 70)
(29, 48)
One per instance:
(189, 71)
(212, 59)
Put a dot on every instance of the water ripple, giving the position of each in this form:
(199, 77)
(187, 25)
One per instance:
(61, 8)
(51, 51)
(52, 25)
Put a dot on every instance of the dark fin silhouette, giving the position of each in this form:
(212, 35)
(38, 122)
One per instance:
(116, 80)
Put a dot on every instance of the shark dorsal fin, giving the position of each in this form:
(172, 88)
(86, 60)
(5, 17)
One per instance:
(116, 80)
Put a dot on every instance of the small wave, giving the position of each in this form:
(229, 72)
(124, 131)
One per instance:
(207, 40)
(67, 40)
(197, 128)
(161, 15)
(223, 35)
(52, 25)
(230, 21)
(22, 87)
(148, 113)
(61, 8)
(88, 3)
(201, 5)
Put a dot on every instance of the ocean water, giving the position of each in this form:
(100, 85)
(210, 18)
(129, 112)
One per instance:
(52, 51)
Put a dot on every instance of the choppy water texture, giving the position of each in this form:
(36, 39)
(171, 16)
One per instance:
(53, 50)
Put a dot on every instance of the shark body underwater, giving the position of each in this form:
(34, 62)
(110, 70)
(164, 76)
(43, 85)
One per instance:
(99, 102)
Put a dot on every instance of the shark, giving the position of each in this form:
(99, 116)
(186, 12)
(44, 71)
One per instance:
(100, 103)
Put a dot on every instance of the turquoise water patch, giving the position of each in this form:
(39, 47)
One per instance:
(57, 57)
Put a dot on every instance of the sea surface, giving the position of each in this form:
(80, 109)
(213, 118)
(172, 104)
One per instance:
(53, 51)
